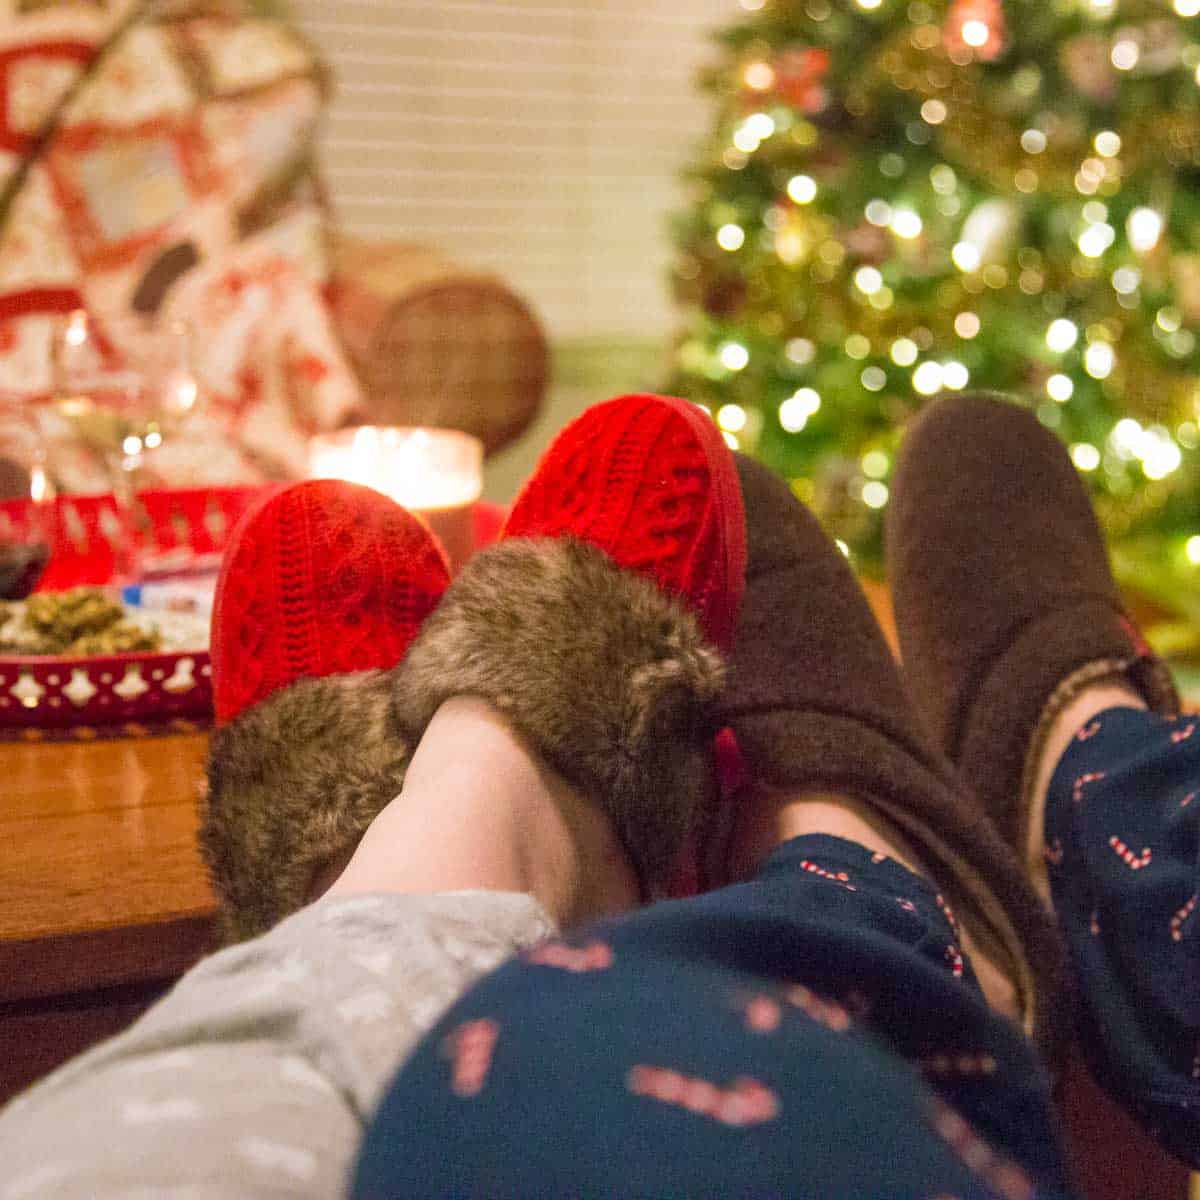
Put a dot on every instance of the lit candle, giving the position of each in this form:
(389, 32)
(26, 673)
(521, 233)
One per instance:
(435, 473)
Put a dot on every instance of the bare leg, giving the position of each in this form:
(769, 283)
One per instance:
(769, 818)
(480, 809)
(1078, 713)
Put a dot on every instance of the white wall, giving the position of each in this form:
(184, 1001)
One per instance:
(537, 138)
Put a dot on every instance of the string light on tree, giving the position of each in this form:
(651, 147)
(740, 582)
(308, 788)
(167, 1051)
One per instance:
(1099, 360)
(875, 494)
(966, 256)
(734, 356)
(1060, 387)
(731, 237)
(759, 76)
(1144, 228)
(732, 417)
(967, 325)
(1125, 54)
(1062, 335)
(795, 411)
(802, 189)
(928, 379)
(955, 376)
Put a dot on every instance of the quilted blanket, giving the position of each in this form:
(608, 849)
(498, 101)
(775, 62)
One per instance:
(157, 159)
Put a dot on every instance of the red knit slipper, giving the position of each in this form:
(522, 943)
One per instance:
(324, 586)
(650, 481)
(320, 578)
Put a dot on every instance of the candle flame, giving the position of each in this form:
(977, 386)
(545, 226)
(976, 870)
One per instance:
(422, 469)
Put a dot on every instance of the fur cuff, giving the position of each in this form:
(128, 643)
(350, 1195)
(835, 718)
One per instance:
(293, 782)
(609, 678)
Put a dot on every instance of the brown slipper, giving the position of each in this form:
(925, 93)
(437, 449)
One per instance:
(1005, 604)
(816, 702)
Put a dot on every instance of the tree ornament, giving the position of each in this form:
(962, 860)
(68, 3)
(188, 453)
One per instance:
(975, 29)
(799, 74)
(1087, 62)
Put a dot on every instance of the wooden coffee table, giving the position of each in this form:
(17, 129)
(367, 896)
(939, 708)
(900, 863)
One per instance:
(103, 897)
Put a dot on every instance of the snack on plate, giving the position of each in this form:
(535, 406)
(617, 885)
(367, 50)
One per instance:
(88, 621)
(62, 618)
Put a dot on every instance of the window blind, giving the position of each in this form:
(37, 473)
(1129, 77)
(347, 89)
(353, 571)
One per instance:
(540, 139)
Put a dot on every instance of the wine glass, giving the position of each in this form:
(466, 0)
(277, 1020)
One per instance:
(125, 382)
(26, 500)
(124, 385)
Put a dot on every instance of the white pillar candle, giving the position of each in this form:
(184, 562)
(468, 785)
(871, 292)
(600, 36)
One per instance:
(435, 473)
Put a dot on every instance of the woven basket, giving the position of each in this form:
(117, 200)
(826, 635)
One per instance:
(436, 344)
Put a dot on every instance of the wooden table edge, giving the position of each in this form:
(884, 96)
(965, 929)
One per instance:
(89, 960)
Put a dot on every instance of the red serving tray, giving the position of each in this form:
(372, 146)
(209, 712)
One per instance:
(191, 526)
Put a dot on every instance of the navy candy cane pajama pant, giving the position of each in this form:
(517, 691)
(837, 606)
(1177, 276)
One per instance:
(816, 1032)
(1123, 850)
(813, 1032)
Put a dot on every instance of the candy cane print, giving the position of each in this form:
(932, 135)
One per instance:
(747, 1102)
(955, 958)
(1001, 1173)
(841, 878)
(595, 956)
(763, 1014)
(960, 1064)
(1135, 862)
(946, 911)
(471, 1045)
(1180, 919)
(825, 1012)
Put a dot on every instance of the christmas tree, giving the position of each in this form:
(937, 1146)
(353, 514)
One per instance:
(901, 198)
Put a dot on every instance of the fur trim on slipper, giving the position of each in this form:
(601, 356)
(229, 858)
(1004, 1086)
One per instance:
(293, 782)
(609, 677)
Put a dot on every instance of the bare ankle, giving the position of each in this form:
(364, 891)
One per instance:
(480, 809)
(767, 817)
(1074, 717)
